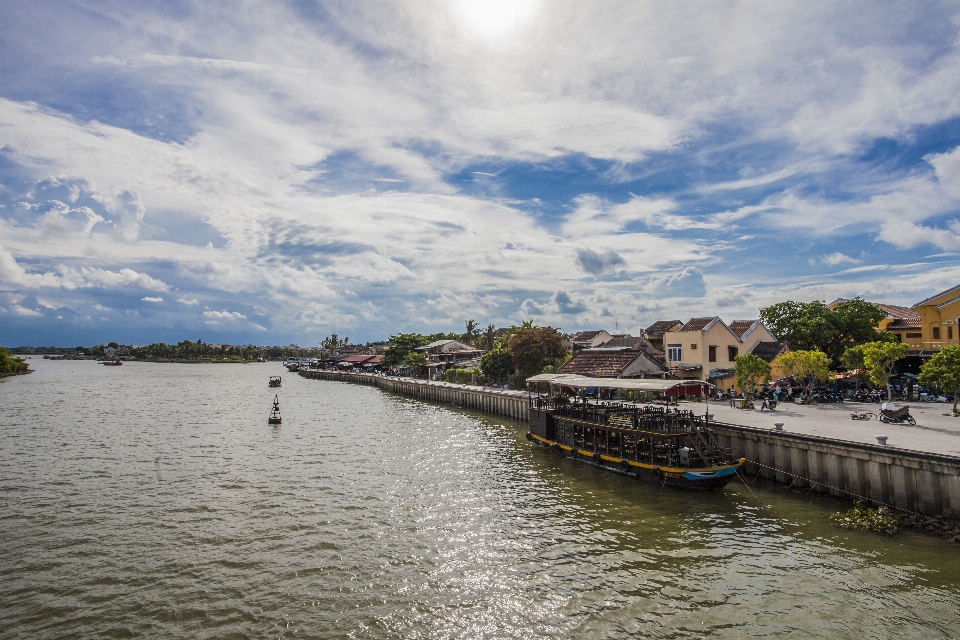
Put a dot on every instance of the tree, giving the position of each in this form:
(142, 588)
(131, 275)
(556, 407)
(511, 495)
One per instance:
(471, 332)
(942, 371)
(750, 369)
(533, 347)
(880, 358)
(415, 360)
(401, 345)
(489, 335)
(813, 326)
(10, 363)
(496, 364)
(806, 366)
(852, 359)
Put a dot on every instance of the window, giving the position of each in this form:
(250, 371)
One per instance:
(949, 333)
(674, 353)
(693, 345)
(713, 353)
(731, 353)
(936, 333)
(914, 335)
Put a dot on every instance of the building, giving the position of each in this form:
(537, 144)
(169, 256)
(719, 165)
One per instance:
(447, 352)
(706, 348)
(770, 352)
(616, 362)
(633, 342)
(655, 332)
(588, 340)
(903, 322)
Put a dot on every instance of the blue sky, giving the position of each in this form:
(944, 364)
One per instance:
(275, 172)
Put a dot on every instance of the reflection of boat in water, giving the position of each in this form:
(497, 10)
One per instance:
(275, 412)
(274, 381)
(658, 444)
(112, 363)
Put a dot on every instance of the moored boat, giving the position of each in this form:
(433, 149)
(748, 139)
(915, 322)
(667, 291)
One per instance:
(671, 447)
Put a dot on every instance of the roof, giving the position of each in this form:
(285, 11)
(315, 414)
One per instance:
(911, 323)
(768, 351)
(645, 384)
(438, 343)
(740, 327)
(699, 324)
(934, 297)
(601, 363)
(897, 312)
(950, 301)
(662, 326)
(633, 342)
(358, 358)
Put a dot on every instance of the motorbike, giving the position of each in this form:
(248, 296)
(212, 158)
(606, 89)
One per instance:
(892, 413)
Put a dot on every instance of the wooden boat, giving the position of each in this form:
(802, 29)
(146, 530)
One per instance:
(670, 447)
(112, 363)
(274, 381)
(275, 412)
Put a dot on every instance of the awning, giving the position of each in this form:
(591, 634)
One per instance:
(631, 384)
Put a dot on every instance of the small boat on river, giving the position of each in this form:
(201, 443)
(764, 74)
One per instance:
(275, 412)
(671, 447)
(274, 381)
(112, 363)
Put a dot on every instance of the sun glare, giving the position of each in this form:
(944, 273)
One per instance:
(492, 19)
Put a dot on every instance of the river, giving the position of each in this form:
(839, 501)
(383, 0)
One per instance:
(153, 500)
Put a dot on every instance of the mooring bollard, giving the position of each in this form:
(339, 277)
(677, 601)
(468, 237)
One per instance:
(778, 426)
(882, 439)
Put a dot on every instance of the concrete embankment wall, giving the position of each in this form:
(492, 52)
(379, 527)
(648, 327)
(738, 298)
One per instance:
(500, 402)
(925, 483)
(920, 482)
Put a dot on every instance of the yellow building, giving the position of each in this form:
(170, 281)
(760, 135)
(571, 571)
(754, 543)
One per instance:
(927, 325)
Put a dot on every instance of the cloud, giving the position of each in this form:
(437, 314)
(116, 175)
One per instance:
(596, 263)
(224, 315)
(688, 283)
(152, 299)
(836, 258)
(188, 301)
(907, 235)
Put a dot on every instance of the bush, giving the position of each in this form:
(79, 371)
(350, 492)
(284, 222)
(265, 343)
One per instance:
(10, 363)
(863, 518)
(460, 376)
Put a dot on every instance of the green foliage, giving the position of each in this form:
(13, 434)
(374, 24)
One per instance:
(334, 343)
(401, 345)
(471, 332)
(942, 371)
(489, 337)
(461, 376)
(880, 358)
(496, 364)
(812, 326)
(187, 350)
(414, 360)
(853, 360)
(807, 367)
(863, 518)
(10, 363)
(531, 348)
(750, 369)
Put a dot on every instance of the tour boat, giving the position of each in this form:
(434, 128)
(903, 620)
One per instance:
(274, 381)
(275, 413)
(668, 446)
(112, 363)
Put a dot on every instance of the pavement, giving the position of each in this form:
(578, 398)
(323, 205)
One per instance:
(933, 433)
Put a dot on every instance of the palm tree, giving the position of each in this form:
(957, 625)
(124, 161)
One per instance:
(471, 331)
(489, 336)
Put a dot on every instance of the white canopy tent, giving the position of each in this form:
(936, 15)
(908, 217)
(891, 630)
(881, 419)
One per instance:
(629, 384)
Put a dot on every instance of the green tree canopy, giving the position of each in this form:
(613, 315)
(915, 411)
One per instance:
(471, 332)
(10, 363)
(496, 364)
(880, 358)
(531, 348)
(401, 345)
(750, 369)
(813, 326)
(807, 367)
(942, 371)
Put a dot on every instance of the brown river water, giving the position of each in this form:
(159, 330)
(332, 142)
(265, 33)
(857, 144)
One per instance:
(153, 500)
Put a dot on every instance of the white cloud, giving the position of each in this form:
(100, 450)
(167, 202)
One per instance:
(152, 299)
(837, 258)
(188, 301)
(224, 315)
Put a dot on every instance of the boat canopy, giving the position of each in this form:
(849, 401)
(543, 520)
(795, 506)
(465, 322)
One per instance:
(632, 384)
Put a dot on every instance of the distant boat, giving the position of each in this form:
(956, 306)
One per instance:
(275, 413)
(274, 381)
(112, 363)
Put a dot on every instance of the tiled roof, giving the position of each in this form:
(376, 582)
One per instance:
(358, 358)
(633, 342)
(934, 297)
(898, 313)
(661, 326)
(740, 327)
(768, 350)
(584, 336)
(599, 364)
(905, 323)
(950, 301)
(697, 324)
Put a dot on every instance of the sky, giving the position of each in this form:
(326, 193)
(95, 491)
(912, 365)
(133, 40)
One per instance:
(275, 172)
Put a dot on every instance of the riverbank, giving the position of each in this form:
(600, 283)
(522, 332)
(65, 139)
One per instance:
(923, 483)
